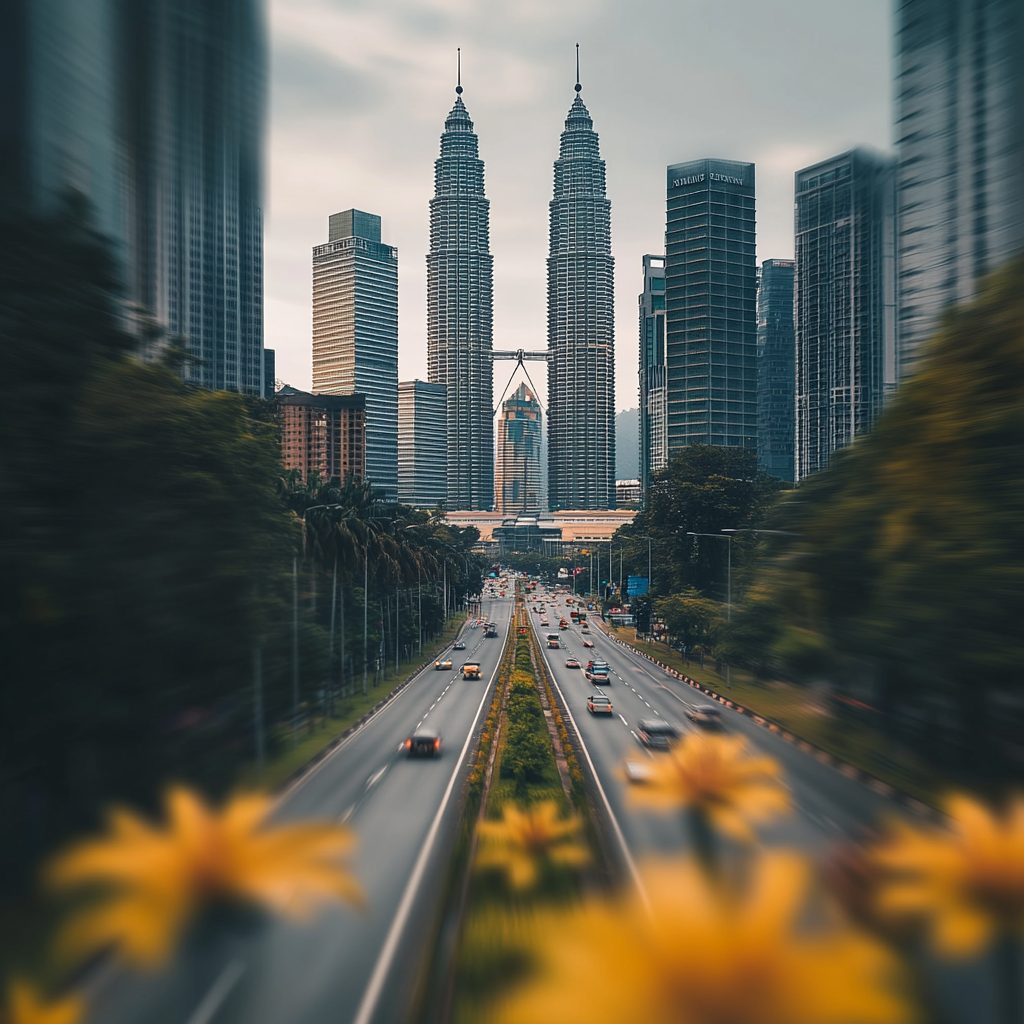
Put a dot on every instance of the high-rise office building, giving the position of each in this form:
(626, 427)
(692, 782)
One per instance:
(776, 383)
(581, 324)
(711, 305)
(517, 470)
(154, 112)
(653, 396)
(323, 434)
(422, 443)
(960, 142)
(844, 306)
(355, 333)
(460, 310)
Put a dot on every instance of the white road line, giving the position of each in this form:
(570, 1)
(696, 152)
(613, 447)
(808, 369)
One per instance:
(387, 954)
(373, 779)
(220, 990)
(348, 814)
(624, 722)
(630, 863)
(634, 735)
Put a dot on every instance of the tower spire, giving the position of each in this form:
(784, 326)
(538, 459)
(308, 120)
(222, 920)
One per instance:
(579, 87)
(458, 85)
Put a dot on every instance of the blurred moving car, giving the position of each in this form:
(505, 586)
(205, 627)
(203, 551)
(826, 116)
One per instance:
(656, 733)
(707, 715)
(588, 643)
(424, 743)
(459, 645)
(571, 663)
(637, 771)
(443, 663)
(599, 705)
(490, 631)
(471, 670)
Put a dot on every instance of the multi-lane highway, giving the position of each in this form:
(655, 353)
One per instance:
(347, 965)
(827, 804)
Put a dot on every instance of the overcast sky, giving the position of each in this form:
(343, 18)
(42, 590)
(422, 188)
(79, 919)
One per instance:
(359, 91)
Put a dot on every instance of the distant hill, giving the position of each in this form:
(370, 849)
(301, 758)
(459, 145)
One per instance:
(627, 445)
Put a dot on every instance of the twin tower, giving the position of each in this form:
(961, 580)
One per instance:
(581, 336)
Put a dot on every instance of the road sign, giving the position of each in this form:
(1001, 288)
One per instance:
(636, 585)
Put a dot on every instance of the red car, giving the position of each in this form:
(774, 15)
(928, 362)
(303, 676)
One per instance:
(571, 663)
(588, 643)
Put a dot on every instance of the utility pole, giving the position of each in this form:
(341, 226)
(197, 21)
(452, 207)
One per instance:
(366, 601)
(398, 632)
(330, 656)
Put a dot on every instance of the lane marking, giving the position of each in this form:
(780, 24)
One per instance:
(634, 735)
(348, 814)
(630, 862)
(387, 954)
(624, 722)
(374, 778)
(219, 991)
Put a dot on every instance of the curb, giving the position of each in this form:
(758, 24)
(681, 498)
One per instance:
(879, 786)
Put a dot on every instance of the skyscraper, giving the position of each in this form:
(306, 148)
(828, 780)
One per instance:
(459, 311)
(517, 476)
(581, 324)
(711, 300)
(422, 443)
(776, 350)
(322, 434)
(845, 285)
(960, 142)
(154, 111)
(653, 409)
(355, 333)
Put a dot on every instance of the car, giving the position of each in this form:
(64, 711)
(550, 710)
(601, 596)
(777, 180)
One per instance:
(571, 663)
(588, 643)
(637, 771)
(656, 733)
(707, 715)
(442, 663)
(423, 743)
(599, 704)
(459, 645)
(471, 670)
(544, 622)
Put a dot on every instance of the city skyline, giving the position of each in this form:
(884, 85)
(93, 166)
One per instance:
(332, 105)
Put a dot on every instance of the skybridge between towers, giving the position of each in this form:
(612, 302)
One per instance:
(519, 357)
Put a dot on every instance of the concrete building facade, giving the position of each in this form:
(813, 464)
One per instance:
(711, 305)
(844, 306)
(581, 324)
(422, 443)
(460, 311)
(323, 434)
(355, 333)
(517, 466)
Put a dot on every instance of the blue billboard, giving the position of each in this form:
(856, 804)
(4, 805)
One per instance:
(636, 585)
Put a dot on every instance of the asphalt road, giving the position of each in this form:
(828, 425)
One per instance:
(828, 807)
(346, 965)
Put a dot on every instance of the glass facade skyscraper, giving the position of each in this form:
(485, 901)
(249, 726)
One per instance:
(711, 305)
(422, 443)
(517, 476)
(460, 311)
(653, 395)
(776, 362)
(154, 111)
(355, 333)
(844, 307)
(581, 324)
(960, 142)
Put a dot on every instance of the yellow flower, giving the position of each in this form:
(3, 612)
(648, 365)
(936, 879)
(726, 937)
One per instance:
(696, 956)
(152, 880)
(523, 841)
(717, 777)
(967, 881)
(26, 1006)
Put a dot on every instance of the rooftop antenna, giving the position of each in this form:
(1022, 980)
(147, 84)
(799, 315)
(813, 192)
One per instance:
(578, 86)
(458, 87)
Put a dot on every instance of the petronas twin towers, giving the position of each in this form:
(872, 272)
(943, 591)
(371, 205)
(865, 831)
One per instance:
(581, 336)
